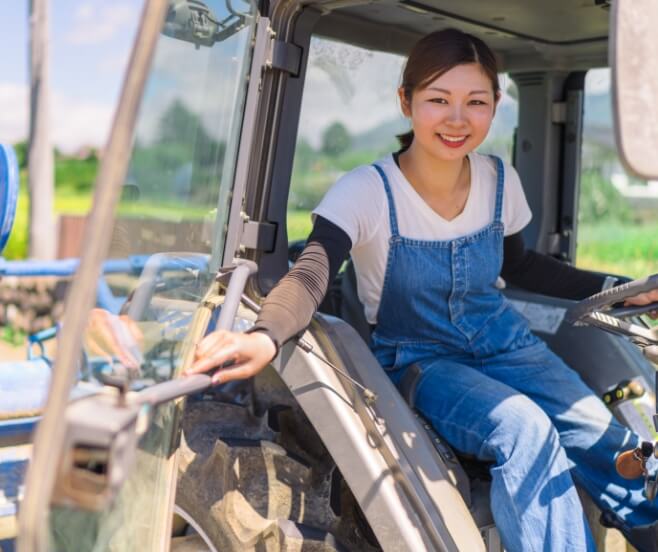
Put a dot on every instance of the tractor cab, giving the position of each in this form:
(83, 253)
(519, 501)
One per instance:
(234, 120)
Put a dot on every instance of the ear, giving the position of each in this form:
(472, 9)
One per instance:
(404, 103)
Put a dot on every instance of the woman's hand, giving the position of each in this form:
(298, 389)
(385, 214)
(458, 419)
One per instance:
(645, 299)
(114, 337)
(249, 352)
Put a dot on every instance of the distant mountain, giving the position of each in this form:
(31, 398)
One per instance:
(598, 122)
(382, 136)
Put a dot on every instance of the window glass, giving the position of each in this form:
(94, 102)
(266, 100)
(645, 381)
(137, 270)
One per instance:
(350, 116)
(166, 244)
(500, 140)
(617, 213)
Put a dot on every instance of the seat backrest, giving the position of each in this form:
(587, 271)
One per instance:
(351, 308)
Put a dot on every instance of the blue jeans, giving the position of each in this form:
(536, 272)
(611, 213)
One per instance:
(543, 429)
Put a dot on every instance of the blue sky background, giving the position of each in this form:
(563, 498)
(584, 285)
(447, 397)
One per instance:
(90, 44)
(91, 41)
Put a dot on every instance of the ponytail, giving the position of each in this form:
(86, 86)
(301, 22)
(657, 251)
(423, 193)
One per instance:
(405, 140)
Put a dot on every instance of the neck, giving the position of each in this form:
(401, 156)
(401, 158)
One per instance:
(427, 173)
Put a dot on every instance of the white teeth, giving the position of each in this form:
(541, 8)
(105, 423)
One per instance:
(453, 138)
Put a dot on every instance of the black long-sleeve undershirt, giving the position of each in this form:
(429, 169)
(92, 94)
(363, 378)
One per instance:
(289, 307)
(532, 271)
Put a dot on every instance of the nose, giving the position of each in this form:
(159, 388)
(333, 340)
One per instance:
(456, 116)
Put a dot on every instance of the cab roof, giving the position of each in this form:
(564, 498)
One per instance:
(525, 34)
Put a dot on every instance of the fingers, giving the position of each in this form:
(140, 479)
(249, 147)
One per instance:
(643, 298)
(133, 329)
(238, 355)
(104, 337)
(214, 350)
(216, 358)
(210, 342)
(239, 372)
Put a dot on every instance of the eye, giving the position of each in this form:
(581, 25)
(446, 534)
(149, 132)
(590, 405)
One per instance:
(438, 100)
(477, 102)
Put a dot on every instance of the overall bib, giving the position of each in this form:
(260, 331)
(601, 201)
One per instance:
(493, 389)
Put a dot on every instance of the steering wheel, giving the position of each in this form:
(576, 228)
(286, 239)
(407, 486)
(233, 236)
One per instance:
(602, 311)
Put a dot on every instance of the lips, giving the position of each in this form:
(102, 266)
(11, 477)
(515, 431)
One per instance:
(452, 141)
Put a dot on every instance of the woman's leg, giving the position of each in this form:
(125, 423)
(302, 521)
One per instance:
(590, 435)
(534, 502)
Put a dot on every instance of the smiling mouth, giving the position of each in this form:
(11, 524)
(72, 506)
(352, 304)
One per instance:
(453, 141)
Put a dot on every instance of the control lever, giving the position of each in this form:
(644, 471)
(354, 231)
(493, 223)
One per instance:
(632, 464)
(103, 430)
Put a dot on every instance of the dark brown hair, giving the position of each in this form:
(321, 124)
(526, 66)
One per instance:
(437, 53)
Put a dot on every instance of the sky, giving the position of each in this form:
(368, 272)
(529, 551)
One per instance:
(90, 43)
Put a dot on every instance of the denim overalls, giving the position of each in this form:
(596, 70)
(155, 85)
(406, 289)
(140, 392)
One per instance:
(493, 389)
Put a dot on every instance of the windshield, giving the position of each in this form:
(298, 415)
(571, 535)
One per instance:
(166, 245)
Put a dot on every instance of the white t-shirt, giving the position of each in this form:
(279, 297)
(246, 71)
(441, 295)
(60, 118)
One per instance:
(357, 204)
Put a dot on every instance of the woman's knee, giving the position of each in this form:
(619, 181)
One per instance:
(521, 428)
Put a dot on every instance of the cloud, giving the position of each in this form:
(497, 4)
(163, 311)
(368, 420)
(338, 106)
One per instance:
(14, 99)
(597, 81)
(206, 80)
(94, 24)
(114, 64)
(350, 85)
(197, 78)
(76, 124)
(73, 123)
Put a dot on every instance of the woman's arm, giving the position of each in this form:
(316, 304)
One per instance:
(289, 307)
(286, 311)
(543, 274)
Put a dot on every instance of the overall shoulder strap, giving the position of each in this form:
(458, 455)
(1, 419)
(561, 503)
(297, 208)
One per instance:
(392, 215)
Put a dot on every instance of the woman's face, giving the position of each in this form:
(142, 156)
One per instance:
(451, 116)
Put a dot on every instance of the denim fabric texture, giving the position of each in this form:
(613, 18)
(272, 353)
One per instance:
(494, 390)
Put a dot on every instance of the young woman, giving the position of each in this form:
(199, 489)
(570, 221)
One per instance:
(429, 230)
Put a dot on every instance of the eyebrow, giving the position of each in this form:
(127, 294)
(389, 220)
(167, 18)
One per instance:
(448, 91)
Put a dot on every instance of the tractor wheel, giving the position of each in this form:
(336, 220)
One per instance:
(254, 475)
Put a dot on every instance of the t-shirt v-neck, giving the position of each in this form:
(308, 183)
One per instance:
(420, 203)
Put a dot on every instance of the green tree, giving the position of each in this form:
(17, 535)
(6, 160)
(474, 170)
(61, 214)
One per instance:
(177, 124)
(336, 139)
(21, 154)
(600, 200)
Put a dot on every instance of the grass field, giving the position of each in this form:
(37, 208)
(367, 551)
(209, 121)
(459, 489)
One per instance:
(615, 248)
(629, 250)
(299, 225)
(72, 198)
(65, 203)
(618, 248)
